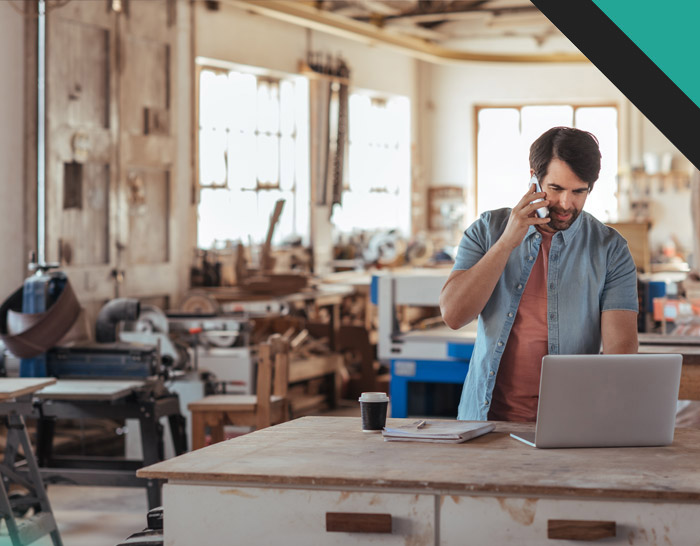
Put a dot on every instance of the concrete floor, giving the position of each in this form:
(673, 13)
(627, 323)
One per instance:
(106, 516)
(96, 516)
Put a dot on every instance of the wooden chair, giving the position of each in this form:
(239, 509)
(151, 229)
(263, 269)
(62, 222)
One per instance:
(269, 406)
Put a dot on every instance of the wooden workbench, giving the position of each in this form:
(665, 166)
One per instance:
(689, 347)
(491, 490)
(14, 387)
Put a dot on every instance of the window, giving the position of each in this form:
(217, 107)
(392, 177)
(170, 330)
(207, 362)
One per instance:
(377, 195)
(503, 146)
(253, 150)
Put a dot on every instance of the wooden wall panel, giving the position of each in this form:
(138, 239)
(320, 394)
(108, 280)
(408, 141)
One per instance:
(146, 84)
(78, 78)
(149, 213)
(85, 218)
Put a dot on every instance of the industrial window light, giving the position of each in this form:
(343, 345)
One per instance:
(504, 136)
(253, 150)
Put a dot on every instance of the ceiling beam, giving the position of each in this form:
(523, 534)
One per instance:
(302, 14)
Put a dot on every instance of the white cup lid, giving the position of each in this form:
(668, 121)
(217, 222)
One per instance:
(373, 397)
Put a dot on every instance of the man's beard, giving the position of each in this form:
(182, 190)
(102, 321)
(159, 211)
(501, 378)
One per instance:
(559, 225)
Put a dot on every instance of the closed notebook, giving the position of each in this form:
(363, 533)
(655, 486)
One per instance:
(450, 432)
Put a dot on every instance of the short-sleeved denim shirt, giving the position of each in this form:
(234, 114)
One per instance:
(590, 271)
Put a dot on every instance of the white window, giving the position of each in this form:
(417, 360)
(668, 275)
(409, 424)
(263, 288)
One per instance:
(503, 146)
(253, 150)
(377, 196)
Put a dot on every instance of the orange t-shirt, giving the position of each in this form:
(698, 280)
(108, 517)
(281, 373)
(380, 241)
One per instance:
(517, 388)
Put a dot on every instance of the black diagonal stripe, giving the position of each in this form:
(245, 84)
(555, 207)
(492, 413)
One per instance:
(630, 70)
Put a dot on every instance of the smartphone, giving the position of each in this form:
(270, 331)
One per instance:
(542, 212)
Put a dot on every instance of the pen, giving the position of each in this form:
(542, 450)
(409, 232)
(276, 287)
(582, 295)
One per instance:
(420, 424)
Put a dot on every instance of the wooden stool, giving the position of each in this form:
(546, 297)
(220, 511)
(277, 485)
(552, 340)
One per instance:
(268, 407)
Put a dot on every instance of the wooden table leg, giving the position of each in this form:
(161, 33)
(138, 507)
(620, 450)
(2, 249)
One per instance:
(216, 420)
(198, 430)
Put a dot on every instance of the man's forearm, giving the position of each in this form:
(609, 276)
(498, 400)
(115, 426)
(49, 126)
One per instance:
(466, 292)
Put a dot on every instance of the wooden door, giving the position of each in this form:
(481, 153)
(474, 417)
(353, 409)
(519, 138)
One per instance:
(110, 148)
(82, 171)
(147, 148)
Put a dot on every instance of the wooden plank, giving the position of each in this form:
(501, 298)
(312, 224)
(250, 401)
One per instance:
(333, 451)
(90, 389)
(13, 387)
(690, 353)
(661, 339)
(300, 405)
(312, 367)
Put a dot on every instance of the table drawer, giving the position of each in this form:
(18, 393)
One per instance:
(510, 520)
(292, 516)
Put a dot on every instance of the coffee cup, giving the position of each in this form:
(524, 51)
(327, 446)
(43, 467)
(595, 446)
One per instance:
(373, 406)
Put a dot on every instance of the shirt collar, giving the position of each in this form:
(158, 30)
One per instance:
(567, 234)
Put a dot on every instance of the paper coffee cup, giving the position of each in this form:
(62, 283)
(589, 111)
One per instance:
(373, 406)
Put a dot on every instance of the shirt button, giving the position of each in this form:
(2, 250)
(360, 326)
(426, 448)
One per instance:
(500, 344)
(551, 347)
(510, 315)
(537, 236)
(551, 315)
(486, 402)
(491, 373)
(551, 285)
(520, 286)
(530, 258)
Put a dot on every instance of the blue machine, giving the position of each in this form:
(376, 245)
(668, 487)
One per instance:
(40, 291)
(433, 355)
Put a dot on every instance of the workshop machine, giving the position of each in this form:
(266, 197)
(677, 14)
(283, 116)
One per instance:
(435, 354)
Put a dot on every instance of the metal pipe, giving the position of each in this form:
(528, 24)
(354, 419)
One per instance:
(111, 314)
(41, 135)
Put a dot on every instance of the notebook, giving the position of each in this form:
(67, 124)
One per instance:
(449, 432)
(606, 401)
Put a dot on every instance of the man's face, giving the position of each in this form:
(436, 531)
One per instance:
(566, 194)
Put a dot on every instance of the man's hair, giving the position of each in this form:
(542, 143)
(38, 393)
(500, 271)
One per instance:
(578, 149)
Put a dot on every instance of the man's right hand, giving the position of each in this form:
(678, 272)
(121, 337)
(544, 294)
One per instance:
(467, 291)
(522, 217)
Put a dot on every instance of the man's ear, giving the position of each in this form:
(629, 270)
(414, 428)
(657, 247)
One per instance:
(532, 172)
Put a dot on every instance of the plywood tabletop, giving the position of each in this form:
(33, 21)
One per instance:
(334, 452)
(90, 389)
(13, 387)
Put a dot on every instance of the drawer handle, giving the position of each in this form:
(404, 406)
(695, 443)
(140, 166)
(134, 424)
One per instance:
(346, 522)
(576, 529)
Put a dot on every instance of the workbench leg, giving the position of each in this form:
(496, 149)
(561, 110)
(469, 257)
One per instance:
(198, 430)
(45, 430)
(178, 432)
(152, 445)
(17, 436)
(216, 423)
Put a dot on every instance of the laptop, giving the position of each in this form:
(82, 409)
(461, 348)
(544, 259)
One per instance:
(606, 401)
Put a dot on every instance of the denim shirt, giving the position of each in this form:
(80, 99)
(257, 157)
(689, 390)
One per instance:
(590, 271)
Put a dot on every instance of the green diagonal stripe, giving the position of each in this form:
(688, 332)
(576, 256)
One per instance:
(667, 32)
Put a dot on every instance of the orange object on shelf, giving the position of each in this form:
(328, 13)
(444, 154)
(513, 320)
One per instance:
(669, 309)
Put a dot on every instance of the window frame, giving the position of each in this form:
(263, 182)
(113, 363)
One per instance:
(519, 106)
(226, 67)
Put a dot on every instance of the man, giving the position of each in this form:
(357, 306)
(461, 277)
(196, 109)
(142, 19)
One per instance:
(555, 285)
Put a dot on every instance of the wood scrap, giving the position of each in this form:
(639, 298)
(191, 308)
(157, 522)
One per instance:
(299, 338)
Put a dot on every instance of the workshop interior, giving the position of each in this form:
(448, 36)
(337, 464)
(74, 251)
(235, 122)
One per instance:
(223, 216)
